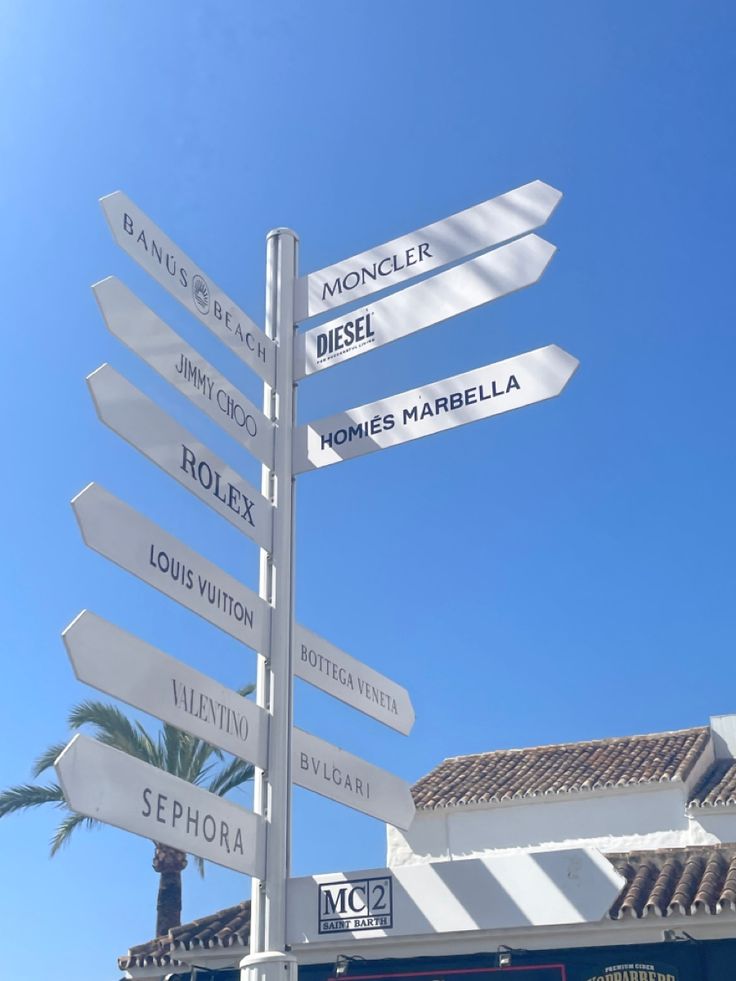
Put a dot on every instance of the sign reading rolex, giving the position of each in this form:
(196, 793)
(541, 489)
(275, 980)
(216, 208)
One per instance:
(465, 261)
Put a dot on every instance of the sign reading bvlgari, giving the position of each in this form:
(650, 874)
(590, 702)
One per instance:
(136, 544)
(140, 422)
(325, 666)
(477, 394)
(463, 234)
(445, 295)
(121, 665)
(138, 327)
(137, 235)
(113, 787)
(317, 765)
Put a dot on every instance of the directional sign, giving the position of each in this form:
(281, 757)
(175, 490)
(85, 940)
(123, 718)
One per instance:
(136, 544)
(463, 234)
(138, 327)
(543, 888)
(461, 288)
(140, 422)
(477, 394)
(316, 765)
(325, 666)
(137, 235)
(113, 787)
(121, 665)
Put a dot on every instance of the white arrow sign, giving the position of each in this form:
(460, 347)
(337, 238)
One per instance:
(463, 234)
(113, 787)
(140, 422)
(317, 765)
(121, 665)
(138, 327)
(462, 288)
(543, 888)
(139, 546)
(477, 394)
(137, 235)
(325, 666)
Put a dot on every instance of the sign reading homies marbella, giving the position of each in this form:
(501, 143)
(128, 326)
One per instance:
(325, 666)
(457, 237)
(140, 422)
(136, 544)
(111, 786)
(489, 277)
(478, 394)
(121, 665)
(491, 252)
(138, 327)
(151, 248)
(572, 885)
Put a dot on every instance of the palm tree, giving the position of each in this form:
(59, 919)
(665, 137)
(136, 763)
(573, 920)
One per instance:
(178, 753)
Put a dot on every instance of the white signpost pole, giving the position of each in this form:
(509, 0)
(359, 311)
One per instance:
(268, 960)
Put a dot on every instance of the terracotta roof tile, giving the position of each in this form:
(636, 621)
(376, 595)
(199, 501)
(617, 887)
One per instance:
(665, 883)
(718, 786)
(561, 768)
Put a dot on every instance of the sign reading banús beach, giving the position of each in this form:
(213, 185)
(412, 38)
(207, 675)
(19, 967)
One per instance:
(138, 327)
(137, 235)
(111, 786)
(477, 394)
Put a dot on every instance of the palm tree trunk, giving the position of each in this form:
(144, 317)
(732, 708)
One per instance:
(169, 863)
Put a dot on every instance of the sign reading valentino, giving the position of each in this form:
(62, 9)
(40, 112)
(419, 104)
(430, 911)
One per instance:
(137, 235)
(111, 786)
(477, 394)
(121, 665)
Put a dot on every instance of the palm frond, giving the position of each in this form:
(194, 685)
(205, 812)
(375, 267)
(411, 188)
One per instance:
(199, 862)
(68, 825)
(113, 728)
(246, 690)
(199, 766)
(46, 760)
(236, 773)
(30, 795)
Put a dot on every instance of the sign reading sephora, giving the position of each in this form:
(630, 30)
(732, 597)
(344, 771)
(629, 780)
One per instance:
(111, 786)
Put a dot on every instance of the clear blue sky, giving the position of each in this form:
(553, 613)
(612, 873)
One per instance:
(560, 573)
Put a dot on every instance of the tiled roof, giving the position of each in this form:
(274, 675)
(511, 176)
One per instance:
(718, 786)
(222, 929)
(668, 882)
(561, 768)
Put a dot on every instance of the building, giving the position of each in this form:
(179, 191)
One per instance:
(661, 807)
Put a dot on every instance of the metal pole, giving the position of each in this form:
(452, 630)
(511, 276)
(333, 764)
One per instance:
(267, 960)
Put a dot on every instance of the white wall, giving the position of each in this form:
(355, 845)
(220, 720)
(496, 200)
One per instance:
(615, 819)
